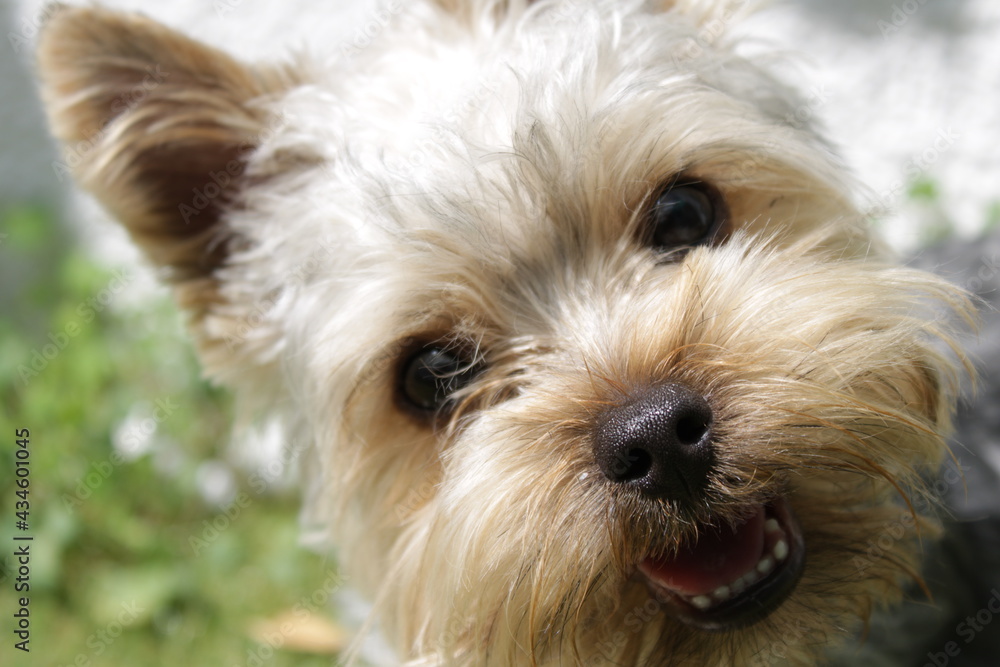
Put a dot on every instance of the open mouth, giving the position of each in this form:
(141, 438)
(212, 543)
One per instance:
(732, 576)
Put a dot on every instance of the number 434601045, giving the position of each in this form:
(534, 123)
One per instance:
(23, 471)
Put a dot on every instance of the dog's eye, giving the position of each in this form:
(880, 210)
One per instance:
(684, 215)
(432, 375)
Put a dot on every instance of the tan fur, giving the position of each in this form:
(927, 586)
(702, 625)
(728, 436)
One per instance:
(483, 185)
(841, 424)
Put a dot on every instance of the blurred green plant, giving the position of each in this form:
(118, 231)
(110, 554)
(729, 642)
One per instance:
(935, 224)
(992, 217)
(114, 579)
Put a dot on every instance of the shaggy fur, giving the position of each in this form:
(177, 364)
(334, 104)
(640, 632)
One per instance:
(478, 178)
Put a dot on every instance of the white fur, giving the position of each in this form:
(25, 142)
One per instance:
(481, 177)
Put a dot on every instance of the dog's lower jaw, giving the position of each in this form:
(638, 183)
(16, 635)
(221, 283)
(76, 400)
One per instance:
(733, 576)
(636, 627)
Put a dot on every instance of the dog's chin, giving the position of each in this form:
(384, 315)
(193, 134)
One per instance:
(731, 577)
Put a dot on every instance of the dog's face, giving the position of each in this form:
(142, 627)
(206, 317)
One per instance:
(572, 310)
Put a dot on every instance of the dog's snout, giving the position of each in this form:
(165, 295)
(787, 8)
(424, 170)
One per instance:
(659, 443)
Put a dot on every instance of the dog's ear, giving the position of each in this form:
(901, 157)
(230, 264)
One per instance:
(159, 128)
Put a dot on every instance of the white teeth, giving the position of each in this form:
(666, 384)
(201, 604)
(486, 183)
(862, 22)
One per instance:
(764, 567)
(703, 602)
(772, 526)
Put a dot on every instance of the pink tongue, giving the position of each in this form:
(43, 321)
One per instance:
(720, 557)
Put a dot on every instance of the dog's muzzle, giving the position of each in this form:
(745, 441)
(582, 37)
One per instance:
(661, 445)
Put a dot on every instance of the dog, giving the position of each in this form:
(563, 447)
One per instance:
(591, 356)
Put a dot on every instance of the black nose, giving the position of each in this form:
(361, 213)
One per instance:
(659, 443)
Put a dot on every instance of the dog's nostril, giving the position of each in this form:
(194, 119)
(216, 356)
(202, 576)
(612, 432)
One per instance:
(691, 429)
(660, 443)
(636, 464)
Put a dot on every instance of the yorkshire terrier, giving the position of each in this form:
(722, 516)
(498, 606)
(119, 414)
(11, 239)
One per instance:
(595, 357)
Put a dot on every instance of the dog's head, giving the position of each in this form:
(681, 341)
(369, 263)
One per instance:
(570, 302)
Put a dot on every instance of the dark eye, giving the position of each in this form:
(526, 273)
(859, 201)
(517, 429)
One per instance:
(684, 215)
(432, 375)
